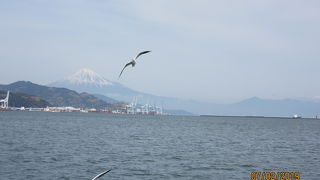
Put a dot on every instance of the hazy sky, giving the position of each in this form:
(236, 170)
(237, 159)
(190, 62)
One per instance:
(215, 51)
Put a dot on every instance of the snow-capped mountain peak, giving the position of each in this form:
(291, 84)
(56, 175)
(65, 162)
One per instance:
(87, 76)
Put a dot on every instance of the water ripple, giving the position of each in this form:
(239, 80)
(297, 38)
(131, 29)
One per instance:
(78, 146)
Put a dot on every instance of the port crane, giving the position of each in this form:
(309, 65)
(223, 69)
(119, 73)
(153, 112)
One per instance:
(4, 103)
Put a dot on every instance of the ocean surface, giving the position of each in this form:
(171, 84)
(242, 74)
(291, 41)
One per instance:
(45, 146)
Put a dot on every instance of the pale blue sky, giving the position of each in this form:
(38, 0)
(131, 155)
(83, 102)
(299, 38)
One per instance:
(215, 51)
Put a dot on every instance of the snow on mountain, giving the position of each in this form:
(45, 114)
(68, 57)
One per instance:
(87, 76)
(86, 80)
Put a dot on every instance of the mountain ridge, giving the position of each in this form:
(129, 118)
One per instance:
(56, 96)
(250, 106)
(92, 84)
(24, 100)
(87, 76)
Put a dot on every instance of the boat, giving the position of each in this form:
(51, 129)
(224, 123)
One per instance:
(296, 116)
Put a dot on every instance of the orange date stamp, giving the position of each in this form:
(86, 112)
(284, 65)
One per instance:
(275, 175)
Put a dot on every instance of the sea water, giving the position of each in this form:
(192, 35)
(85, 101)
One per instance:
(46, 145)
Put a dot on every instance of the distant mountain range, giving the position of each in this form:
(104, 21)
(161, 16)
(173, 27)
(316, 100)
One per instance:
(86, 80)
(24, 100)
(28, 94)
(55, 96)
(104, 93)
(266, 107)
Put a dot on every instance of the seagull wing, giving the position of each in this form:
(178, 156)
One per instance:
(144, 52)
(101, 174)
(130, 63)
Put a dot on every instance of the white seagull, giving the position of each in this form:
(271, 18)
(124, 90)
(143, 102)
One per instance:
(133, 62)
(101, 174)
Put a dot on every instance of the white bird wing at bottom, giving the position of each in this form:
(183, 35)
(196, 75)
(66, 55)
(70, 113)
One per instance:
(101, 174)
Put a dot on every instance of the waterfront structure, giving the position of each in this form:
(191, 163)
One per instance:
(4, 103)
(122, 108)
(62, 109)
(135, 108)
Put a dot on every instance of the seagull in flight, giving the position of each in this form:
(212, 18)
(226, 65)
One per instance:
(101, 174)
(133, 62)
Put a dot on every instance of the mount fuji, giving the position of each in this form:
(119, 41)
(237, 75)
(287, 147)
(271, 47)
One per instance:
(86, 80)
(87, 76)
